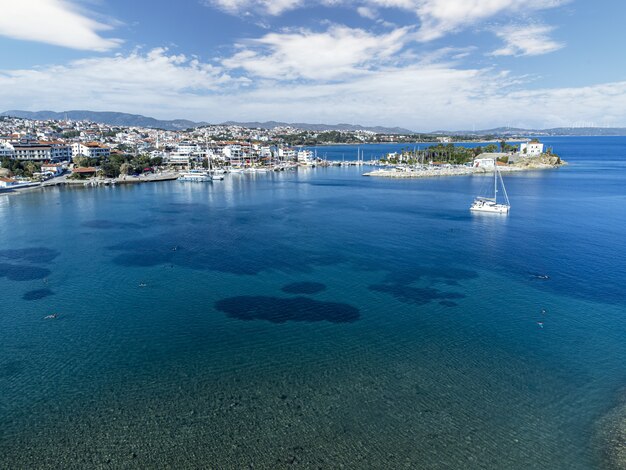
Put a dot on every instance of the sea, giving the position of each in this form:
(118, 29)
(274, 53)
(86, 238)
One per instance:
(319, 319)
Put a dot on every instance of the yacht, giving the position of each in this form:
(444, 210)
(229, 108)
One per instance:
(194, 175)
(490, 204)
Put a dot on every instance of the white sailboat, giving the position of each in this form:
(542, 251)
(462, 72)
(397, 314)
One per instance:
(490, 204)
(216, 174)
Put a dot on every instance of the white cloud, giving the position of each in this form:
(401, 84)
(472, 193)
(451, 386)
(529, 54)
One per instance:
(337, 53)
(436, 17)
(440, 17)
(526, 40)
(417, 96)
(271, 7)
(55, 22)
(367, 12)
(152, 81)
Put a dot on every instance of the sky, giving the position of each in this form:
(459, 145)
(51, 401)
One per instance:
(424, 65)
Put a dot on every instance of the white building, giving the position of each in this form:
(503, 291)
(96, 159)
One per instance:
(32, 151)
(533, 147)
(7, 150)
(287, 153)
(52, 169)
(484, 162)
(60, 151)
(187, 148)
(265, 152)
(176, 158)
(305, 156)
(233, 153)
(90, 149)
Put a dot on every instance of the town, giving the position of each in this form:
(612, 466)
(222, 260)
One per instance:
(35, 153)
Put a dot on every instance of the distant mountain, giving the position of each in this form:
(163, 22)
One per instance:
(320, 127)
(109, 118)
(130, 120)
(554, 132)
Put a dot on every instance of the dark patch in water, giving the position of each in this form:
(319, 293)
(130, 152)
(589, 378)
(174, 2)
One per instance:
(448, 303)
(280, 310)
(37, 294)
(448, 276)
(414, 295)
(304, 288)
(31, 255)
(110, 224)
(11, 369)
(242, 242)
(23, 272)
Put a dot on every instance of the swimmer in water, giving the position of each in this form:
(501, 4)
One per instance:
(143, 284)
(540, 323)
(51, 317)
(543, 311)
(175, 248)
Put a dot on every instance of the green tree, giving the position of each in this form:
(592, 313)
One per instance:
(80, 160)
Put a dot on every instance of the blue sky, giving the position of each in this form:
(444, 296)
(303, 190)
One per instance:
(421, 64)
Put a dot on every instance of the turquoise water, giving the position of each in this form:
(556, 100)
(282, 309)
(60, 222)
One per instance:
(316, 319)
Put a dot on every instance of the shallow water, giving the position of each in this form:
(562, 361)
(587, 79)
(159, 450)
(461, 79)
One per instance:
(317, 319)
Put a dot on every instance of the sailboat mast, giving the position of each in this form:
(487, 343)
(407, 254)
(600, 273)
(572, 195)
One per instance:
(495, 180)
(506, 196)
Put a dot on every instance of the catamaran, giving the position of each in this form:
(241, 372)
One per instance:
(490, 204)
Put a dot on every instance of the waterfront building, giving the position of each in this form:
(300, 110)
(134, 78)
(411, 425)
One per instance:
(287, 153)
(59, 151)
(177, 158)
(533, 147)
(485, 162)
(7, 182)
(305, 157)
(32, 151)
(233, 153)
(265, 152)
(87, 171)
(53, 169)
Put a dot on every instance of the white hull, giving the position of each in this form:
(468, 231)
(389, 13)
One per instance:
(490, 204)
(482, 206)
(194, 176)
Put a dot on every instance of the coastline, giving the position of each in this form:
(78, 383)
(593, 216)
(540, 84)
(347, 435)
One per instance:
(63, 181)
(454, 171)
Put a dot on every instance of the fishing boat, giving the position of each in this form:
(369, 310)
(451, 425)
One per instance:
(490, 204)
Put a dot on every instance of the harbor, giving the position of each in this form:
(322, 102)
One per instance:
(289, 316)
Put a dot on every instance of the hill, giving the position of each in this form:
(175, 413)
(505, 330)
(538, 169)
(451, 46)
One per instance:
(109, 118)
